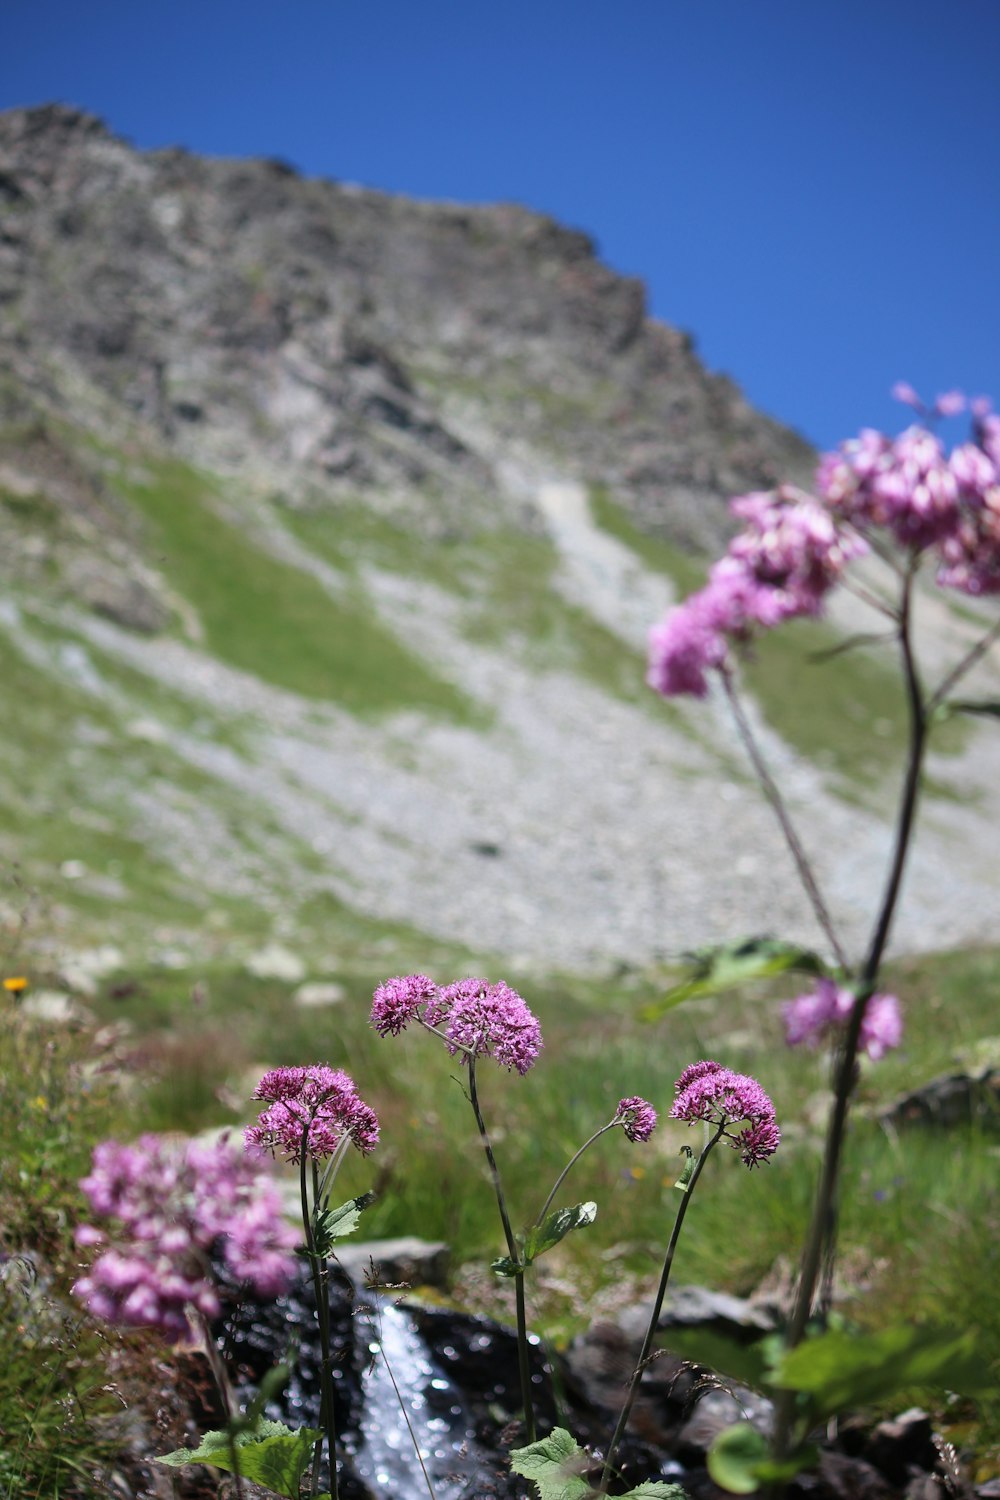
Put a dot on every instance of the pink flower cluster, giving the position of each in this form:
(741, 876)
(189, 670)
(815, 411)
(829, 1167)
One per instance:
(317, 1104)
(475, 1017)
(782, 565)
(707, 1091)
(812, 1017)
(923, 496)
(637, 1117)
(175, 1203)
(794, 547)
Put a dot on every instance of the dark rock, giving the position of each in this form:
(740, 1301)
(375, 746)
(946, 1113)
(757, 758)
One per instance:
(404, 1262)
(950, 1099)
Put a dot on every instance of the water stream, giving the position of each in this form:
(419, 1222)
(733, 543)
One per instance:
(404, 1377)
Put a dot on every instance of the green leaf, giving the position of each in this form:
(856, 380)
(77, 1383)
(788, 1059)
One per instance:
(656, 1489)
(555, 1227)
(841, 1369)
(506, 1267)
(271, 1454)
(734, 1459)
(687, 1171)
(714, 970)
(333, 1223)
(557, 1466)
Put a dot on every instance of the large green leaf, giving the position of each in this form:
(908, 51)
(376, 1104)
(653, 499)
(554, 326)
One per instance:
(714, 970)
(839, 1369)
(270, 1454)
(333, 1223)
(734, 1459)
(740, 1463)
(556, 1464)
(555, 1227)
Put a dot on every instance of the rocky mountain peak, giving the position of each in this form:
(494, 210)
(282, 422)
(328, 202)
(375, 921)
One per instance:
(338, 339)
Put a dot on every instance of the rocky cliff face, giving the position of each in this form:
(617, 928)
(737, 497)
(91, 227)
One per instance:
(331, 525)
(335, 340)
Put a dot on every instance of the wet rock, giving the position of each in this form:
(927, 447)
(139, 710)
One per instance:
(716, 1410)
(904, 1447)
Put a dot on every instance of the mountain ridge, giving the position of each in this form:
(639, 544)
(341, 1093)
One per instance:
(331, 525)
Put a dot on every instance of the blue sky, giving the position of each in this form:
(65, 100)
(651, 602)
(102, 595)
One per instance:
(810, 187)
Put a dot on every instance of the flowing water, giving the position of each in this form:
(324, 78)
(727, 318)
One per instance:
(403, 1377)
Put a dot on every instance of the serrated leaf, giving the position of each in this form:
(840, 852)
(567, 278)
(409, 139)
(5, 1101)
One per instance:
(656, 1489)
(714, 970)
(557, 1465)
(271, 1454)
(841, 1369)
(555, 1227)
(334, 1223)
(735, 1457)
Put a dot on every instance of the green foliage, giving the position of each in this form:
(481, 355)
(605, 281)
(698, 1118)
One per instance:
(557, 1466)
(267, 1453)
(271, 619)
(730, 966)
(541, 1237)
(739, 1460)
(332, 1224)
(843, 1370)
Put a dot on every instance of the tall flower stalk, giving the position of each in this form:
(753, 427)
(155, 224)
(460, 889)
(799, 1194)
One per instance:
(908, 501)
(477, 1019)
(718, 1098)
(313, 1115)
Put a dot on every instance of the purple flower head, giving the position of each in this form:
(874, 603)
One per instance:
(709, 1092)
(685, 646)
(904, 486)
(401, 1000)
(476, 1018)
(490, 1020)
(950, 404)
(814, 1017)
(175, 1204)
(637, 1117)
(903, 391)
(318, 1103)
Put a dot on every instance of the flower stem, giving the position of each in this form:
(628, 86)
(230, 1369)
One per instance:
(515, 1255)
(226, 1396)
(570, 1165)
(321, 1294)
(654, 1317)
(780, 809)
(820, 1240)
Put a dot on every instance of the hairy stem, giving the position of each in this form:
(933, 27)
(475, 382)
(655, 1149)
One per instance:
(513, 1251)
(654, 1317)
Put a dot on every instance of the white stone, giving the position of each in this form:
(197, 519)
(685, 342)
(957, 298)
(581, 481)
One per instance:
(51, 1005)
(319, 993)
(276, 962)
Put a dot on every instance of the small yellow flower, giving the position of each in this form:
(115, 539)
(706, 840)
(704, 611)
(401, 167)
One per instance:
(40, 1103)
(15, 984)
(637, 1173)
